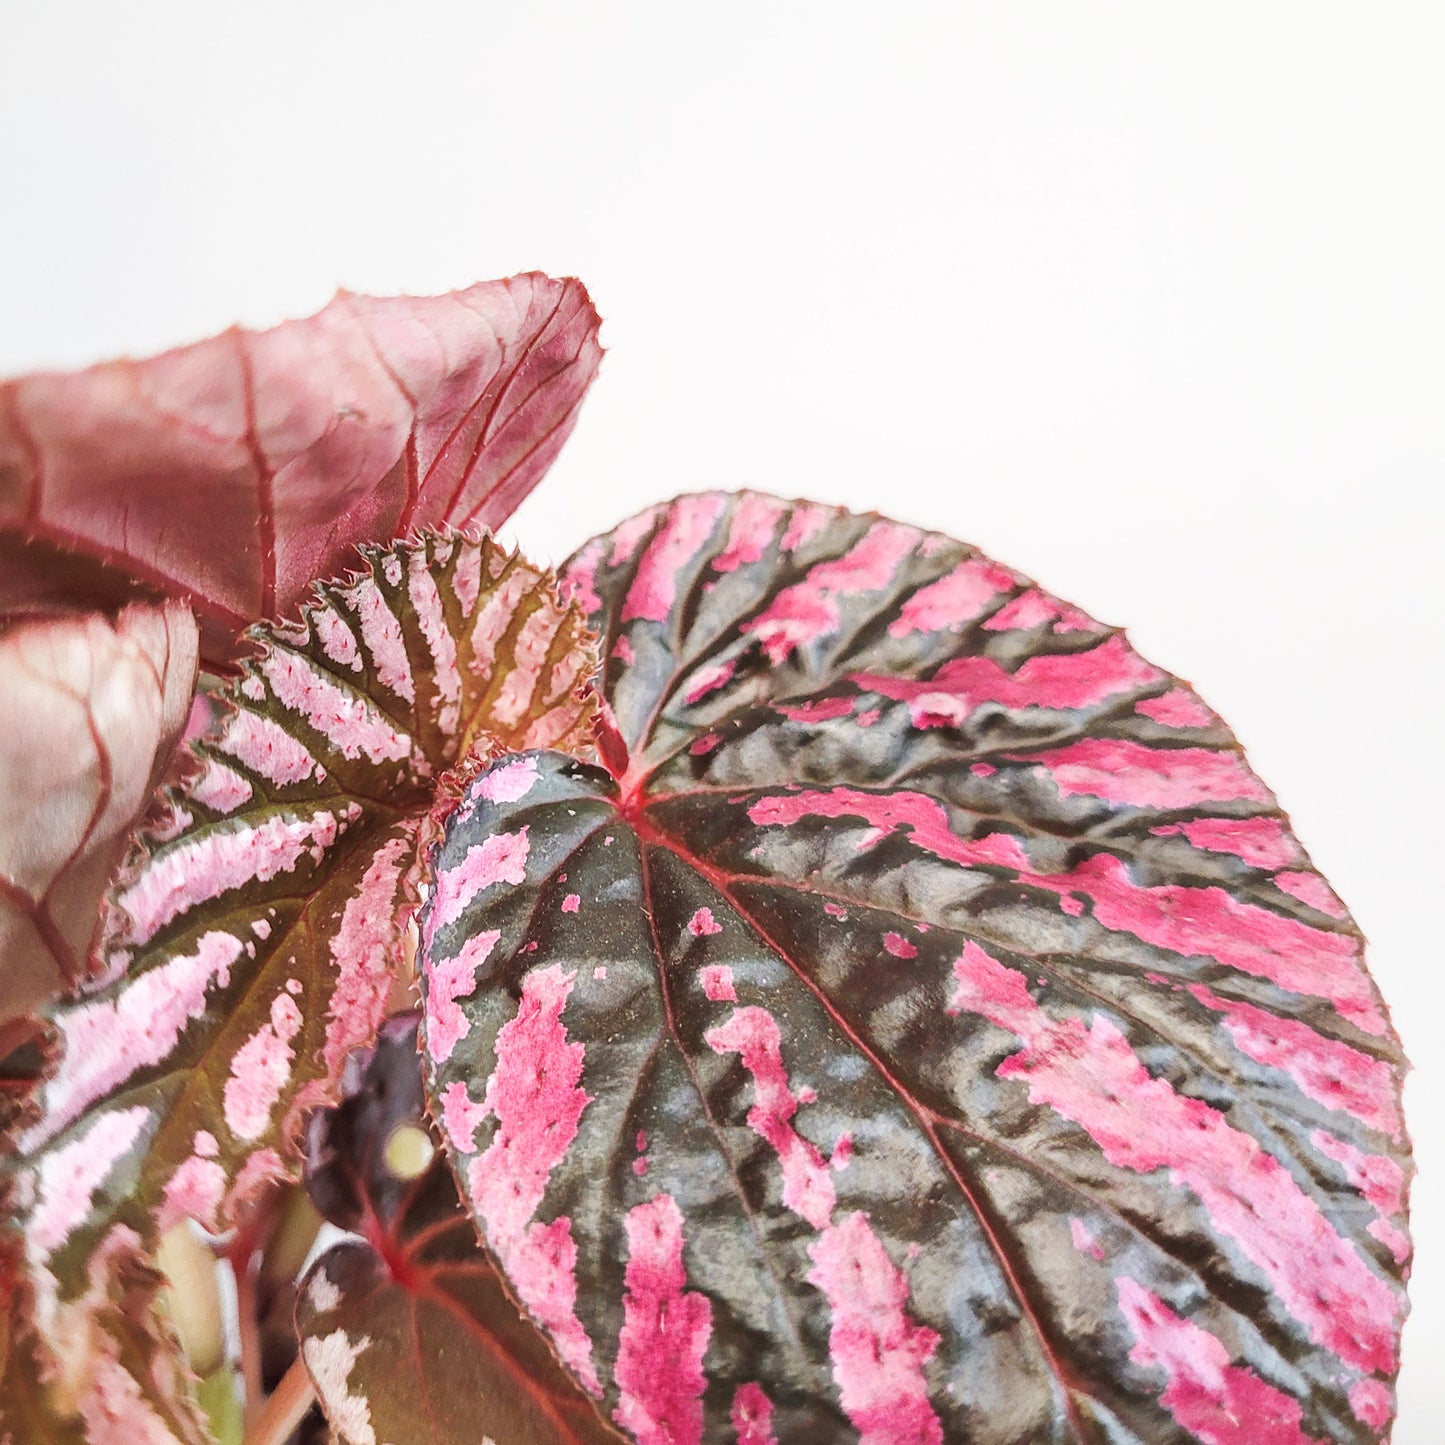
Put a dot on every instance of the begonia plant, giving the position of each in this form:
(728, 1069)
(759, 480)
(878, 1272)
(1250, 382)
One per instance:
(787, 978)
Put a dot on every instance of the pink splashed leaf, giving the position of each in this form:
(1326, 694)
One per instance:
(255, 944)
(944, 1003)
(417, 1288)
(232, 472)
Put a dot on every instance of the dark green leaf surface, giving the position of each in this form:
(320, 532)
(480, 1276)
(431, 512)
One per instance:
(928, 1029)
(411, 1336)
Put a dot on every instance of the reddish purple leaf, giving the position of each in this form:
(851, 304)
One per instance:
(419, 1289)
(90, 709)
(931, 1031)
(235, 471)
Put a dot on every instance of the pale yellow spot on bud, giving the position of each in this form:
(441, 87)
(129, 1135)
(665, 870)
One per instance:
(409, 1150)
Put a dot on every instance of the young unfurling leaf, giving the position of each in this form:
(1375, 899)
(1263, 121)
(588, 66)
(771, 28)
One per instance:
(929, 1029)
(419, 1289)
(260, 929)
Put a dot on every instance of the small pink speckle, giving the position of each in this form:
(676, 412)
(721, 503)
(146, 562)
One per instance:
(599, 973)
(807, 1094)
(842, 1151)
(639, 1168)
(983, 770)
(1083, 1238)
(899, 946)
(704, 744)
(868, 717)
(571, 903)
(834, 911)
(717, 983)
(702, 923)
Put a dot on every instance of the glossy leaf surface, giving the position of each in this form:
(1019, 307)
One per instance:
(932, 1032)
(235, 471)
(411, 1336)
(261, 933)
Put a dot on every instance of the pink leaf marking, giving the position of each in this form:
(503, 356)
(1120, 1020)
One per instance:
(1055, 680)
(1133, 775)
(665, 1331)
(1380, 1180)
(363, 950)
(754, 1034)
(1325, 1070)
(1212, 923)
(579, 585)
(1206, 922)
(537, 1100)
(1310, 888)
(462, 1116)
(219, 788)
(214, 863)
(819, 710)
(105, 1041)
(1091, 1077)
(195, 1189)
(260, 1070)
(752, 1416)
(1083, 1238)
(1261, 842)
(347, 720)
(899, 946)
(66, 1179)
(807, 521)
(337, 639)
(955, 600)
(499, 858)
(381, 632)
(509, 783)
(702, 924)
(878, 1352)
(449, 979)
(571, 903)
(1177, 708)
(708, 679)
(1035, 608)
(717, 983)
(1372, 1403)
(1217, 1402)
(441, 644)
(690, 521)
(808, 611)
(754, 521)
(627, 537)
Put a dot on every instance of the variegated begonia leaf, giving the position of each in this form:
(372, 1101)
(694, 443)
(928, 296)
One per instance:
(90, 711)
(112, 1370)
(234, 471)
(260, 930)
(929, 1029)
(411, 1336)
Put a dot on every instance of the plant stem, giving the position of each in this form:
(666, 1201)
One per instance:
(250, 1332)
(284, 1409)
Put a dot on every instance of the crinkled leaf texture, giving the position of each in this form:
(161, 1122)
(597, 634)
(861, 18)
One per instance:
(932, 1032)
(235, 471)
(260, 929)
(411, 1335)
(90, 710)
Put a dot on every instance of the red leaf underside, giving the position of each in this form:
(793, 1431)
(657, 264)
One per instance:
(235, 471)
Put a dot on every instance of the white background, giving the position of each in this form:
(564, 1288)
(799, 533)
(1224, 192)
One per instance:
(1146, 299)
